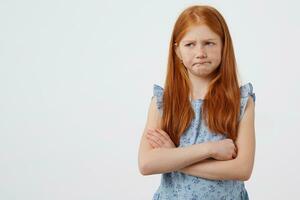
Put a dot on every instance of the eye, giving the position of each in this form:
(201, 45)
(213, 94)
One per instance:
(188, 45)
(210, 43)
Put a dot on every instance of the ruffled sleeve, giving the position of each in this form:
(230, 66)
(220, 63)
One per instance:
(246, 91)
(158, 92)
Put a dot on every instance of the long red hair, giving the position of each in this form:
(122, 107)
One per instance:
(221, 106)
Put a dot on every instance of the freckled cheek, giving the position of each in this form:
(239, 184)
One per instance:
(189, 62)
(188, 59)
(214, 55)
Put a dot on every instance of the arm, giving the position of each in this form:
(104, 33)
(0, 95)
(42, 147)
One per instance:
(161, 160)
(239, 168)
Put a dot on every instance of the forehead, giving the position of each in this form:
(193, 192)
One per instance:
(200, 32)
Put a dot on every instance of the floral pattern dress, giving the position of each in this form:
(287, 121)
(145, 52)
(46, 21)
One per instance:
(179, 186)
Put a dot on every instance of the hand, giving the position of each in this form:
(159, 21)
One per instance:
(159, 139)
(224, 149)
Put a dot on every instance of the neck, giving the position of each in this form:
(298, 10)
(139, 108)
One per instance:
(199, 86)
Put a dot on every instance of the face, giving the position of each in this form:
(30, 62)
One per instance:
(200, 50)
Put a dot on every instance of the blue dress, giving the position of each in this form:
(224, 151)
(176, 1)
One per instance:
(179, 186)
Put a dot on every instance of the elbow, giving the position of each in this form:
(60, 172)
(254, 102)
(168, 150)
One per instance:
(245, 170)
(144, 169)
(244, 178)
(148, 165)
(245, 175)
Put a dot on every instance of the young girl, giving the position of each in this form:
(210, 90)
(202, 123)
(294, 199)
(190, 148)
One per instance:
(200, 128)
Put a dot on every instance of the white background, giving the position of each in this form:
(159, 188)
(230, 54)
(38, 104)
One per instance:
(76, 81)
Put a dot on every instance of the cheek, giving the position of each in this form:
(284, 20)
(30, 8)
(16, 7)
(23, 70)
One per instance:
(187, 58)
(215, 55)
(186, 55)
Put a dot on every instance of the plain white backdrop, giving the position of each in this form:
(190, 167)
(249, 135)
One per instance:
(76, 80)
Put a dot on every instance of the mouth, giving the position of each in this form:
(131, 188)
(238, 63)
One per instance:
(201, 63)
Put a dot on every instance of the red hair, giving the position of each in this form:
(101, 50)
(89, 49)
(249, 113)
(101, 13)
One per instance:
(221, 106)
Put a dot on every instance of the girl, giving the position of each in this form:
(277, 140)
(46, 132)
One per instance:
(200, 131)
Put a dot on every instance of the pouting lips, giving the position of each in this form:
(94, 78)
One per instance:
(201, 63)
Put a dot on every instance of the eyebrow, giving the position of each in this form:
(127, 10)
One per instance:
(203, 40)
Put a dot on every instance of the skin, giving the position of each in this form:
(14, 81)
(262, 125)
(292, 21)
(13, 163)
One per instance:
(221, 167)
(200, 51)
(200, 44)
(223, 150)
(217, 160)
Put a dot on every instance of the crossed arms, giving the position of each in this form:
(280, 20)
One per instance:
(196, 159)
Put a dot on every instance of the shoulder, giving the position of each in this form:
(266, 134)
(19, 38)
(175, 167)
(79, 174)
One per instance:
(247, 104)
(246, 90)
(158, 92)
(154, 114)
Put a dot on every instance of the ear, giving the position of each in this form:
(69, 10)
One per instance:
(177, 51)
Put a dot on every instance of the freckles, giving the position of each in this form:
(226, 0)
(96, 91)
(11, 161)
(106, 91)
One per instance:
(214, 55)
(214, 51)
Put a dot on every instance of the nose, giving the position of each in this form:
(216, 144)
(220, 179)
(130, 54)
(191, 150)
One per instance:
(200, 52)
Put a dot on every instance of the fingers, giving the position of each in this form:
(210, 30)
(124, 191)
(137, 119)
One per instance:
(154, 143)
(235, 152)
(155, 138)
(235, 148)
(159, 133)
(161, 137)
(234, 155)
(233, 144)
(163, 134)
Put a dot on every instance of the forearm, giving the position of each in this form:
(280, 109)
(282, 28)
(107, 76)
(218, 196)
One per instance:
(162, 160)
(217, 170)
